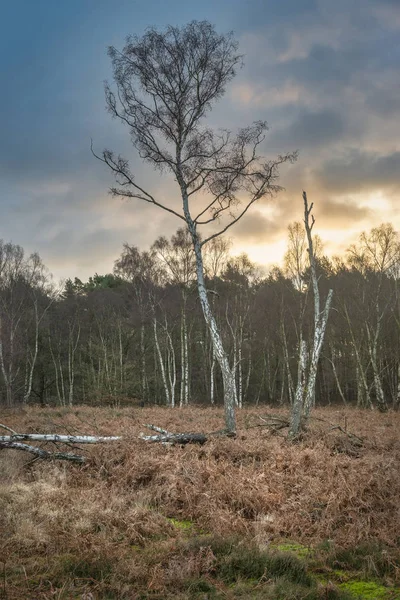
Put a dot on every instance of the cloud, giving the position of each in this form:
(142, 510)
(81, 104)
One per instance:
(310, 130)
(338, 214)
(357, 170)
(324, 75)
(255, 227)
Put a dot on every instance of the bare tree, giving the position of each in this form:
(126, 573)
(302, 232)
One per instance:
(376, 257)
(25, 296)
(307, 374)
(178, 257)
(166, 82)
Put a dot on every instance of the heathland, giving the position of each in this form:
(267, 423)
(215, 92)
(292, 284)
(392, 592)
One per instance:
(250, 517)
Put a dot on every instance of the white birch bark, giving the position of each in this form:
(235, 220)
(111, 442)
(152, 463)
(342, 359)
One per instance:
(320, 322)
(143, 363)
(171, 365)
(28, 388)
(72, 347)
(65, 439)
(61, 379)
(373, 350)
(297, 408)
(212, 375)
(121, 359)
(55, 372)
(249, 369)
(287, 365)
(319, 334)
(4, 372)
(240, 377)
(186, 346)
(161, 362)
(181, 400)
(339, 387)
(363, 393)
(220, 354)
(184, 392)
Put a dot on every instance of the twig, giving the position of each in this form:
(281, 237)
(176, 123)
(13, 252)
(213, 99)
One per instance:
(352, 436)
(7, 428)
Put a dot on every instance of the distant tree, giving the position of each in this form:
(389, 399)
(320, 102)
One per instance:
(25, 296)
(166, 82)
(376, 258)
(177, 257)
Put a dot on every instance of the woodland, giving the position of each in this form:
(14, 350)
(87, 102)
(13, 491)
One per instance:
(138, 335)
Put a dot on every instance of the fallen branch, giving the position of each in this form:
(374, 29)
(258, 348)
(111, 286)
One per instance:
(274, 422)
(158, 429)
(357, 441)
(63, 439)
(166, 437)
(15, 441)
(40, 453)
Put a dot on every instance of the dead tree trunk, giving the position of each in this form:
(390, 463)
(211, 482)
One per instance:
(320, 322)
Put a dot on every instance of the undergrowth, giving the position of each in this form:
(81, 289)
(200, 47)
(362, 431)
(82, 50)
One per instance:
(251, 517)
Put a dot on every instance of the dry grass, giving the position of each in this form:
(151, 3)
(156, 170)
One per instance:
(106, 526)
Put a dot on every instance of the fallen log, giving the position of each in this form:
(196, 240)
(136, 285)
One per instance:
(16, 441)
(41, 453)
(166, 437)
(63, 439)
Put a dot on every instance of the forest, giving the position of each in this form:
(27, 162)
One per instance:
(137, 334)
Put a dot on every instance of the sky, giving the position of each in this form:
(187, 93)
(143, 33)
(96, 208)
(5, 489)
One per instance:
(324, 75)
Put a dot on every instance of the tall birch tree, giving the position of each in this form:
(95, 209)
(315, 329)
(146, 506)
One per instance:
(165, 84)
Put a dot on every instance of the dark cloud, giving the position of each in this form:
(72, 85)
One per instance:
(359, 171)
(325, 75)
(310, 129)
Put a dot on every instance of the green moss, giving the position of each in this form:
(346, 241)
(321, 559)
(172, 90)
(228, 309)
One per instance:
(367, 590)
(185, 525)
(341, 575)
(371, 559)
(298, 549)
(284, 590)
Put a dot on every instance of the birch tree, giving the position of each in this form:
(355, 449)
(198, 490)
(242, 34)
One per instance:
(166, 83)
(24, 300)
(178, 258)
(307, 373)
(376, 257)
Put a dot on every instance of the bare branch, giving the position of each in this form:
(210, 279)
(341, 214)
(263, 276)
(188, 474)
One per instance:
(43, 453)
(120, 167)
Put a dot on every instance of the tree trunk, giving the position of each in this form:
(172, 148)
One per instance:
(319, 334)
(297, 407)
(228, 377)
(162, 367)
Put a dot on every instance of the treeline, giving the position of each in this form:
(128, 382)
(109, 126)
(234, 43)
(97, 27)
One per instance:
(138, 334)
